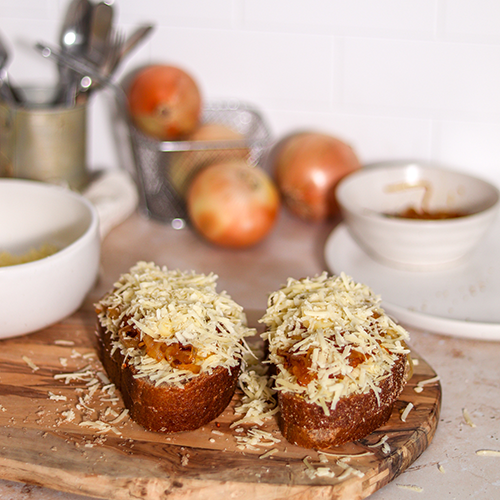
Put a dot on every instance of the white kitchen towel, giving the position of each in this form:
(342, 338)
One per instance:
(115, 196)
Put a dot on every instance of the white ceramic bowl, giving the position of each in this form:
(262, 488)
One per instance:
(37, 294)
(366, 196)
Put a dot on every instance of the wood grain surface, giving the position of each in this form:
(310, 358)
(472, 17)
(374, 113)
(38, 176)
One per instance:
(62, 427)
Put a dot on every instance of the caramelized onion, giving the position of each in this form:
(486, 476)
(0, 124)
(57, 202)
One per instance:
(129, 336)
(182, 357)
(298, 364)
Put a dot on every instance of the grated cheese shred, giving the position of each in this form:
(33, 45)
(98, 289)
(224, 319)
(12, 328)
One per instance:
(257, 402)
(428, 381)
(175, 307)
(406, 412)
(328, 320)
(30, 363)
(256, 437)
(348, 470)
(488, 453)
(467, 418)
(411, 487)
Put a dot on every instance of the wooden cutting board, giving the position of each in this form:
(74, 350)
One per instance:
(65, 430)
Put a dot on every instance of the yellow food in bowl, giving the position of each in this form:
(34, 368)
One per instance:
(9, 259)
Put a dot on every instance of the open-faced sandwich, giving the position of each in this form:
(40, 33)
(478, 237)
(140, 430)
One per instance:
(172, 345)
(340, 361)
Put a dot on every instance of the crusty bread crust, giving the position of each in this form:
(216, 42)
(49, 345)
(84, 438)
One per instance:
(305, 424)
(164, 408)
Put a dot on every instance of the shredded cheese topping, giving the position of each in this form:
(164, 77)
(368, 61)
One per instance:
(174, 308)
(330, 338)
(258, 402)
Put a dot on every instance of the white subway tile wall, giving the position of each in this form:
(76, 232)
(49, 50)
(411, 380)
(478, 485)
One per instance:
(415, 79)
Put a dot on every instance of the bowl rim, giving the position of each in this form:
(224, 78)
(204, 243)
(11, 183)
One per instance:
(357, 210)
(92, 229)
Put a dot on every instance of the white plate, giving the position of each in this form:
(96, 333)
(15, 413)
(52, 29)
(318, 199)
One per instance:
(463, 301)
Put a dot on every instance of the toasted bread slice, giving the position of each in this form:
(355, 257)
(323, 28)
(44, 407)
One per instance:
(354, 417)
(172, 345)
(166, 408)
(339, 360)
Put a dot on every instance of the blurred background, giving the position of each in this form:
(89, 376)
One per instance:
(418, 79)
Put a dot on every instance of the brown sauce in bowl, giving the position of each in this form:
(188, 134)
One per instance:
(411, 213)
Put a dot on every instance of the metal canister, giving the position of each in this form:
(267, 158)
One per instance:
(44, 142)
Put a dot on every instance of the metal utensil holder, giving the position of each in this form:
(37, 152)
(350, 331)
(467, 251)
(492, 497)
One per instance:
(165, 169)
(44, 142)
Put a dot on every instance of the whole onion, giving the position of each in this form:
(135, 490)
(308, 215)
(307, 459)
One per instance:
(164, 102)
(307, 168)
(184, 165)
(232, 203)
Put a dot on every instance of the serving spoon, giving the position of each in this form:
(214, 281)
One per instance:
(101, 22)
(73, 39)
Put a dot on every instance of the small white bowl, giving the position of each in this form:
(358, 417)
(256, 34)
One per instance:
(368, 195)
(37, 294)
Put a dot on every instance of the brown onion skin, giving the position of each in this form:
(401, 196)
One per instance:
(213, 131)
(233, 204)
(164, 102)
(186, 164)
(307, 168)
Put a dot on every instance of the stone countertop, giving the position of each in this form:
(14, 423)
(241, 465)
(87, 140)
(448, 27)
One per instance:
(469, 370)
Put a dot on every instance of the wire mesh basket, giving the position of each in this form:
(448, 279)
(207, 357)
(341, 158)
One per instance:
(165, 169)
